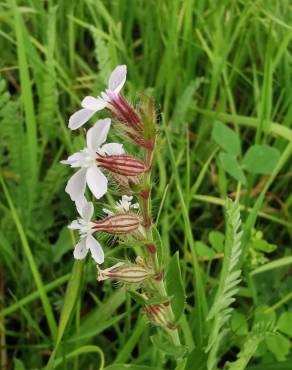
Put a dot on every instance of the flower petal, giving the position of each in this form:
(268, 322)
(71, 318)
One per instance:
(75, 160)
(87, 211)
(93, 104)
(117, 78)
(79, 118)
(75, 225)
(113, 149)
(95, 249)
(127, 198)
(97, 134)
(76, 185)
(96, 181)
(80, 203)
(108, 212)
(80, 250)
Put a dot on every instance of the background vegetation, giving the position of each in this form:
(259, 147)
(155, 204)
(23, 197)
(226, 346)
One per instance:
(207, 64)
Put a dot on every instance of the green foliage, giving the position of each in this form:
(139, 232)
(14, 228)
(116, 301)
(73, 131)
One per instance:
(221, 74)
(261, 159)
(231, 166)
(252, 341)
(175, 286)
(226, 138)
(221, 309)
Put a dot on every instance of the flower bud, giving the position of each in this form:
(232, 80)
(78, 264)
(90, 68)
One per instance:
(146, 111)
(121, 164)
(157, 314)
(126, 273)
(127, 184)
(124, 113)
(118, 224)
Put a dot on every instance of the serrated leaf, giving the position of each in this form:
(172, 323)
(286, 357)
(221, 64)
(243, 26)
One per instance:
(261, 159)
(232, 167)
(175, 287)
(226, 138)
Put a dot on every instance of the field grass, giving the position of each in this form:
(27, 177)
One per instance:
(209, 65)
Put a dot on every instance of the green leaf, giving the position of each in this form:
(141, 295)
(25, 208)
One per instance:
(239, 323)
(197, 359)
(273, 265)
(68, 306)
(159, 299)
(232, 167)
(131, 367)
(137, 297)
(175, 286)
(166, 346)
(285, 323)
(279, 345)
(80, 351)
(216, 239)
(226, 138)
(18, 365)
(204, 251)
(261, 159)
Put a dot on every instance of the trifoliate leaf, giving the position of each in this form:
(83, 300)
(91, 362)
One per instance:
(226, 138)
(232, 167)
(261, 159)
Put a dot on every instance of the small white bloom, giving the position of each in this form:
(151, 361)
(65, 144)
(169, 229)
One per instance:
(89, 173)
(124, 205)
(85, 228)
(92, 104)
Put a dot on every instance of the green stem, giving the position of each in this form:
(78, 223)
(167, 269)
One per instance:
(146, 207)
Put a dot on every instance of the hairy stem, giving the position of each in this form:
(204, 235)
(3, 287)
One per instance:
(145, 202)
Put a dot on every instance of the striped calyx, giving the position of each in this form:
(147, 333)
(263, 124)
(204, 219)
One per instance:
(118, 224)
(124, 165)
(157, 314)
(126, 273)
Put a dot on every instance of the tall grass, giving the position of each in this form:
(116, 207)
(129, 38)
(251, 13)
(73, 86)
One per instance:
(203, 61)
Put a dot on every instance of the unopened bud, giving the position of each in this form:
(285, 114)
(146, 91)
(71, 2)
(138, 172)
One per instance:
(121, 164)
(157, 314)
(127, 184)
(123, 112)
(118, 224)
(126, 273)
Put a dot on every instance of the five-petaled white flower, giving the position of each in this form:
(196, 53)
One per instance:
(91, 105)
(86, 229)
(89, 173)
(124, 205)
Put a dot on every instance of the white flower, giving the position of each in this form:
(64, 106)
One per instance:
(85, 228)
(92, 104)
(89, 173)
(124, 205)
